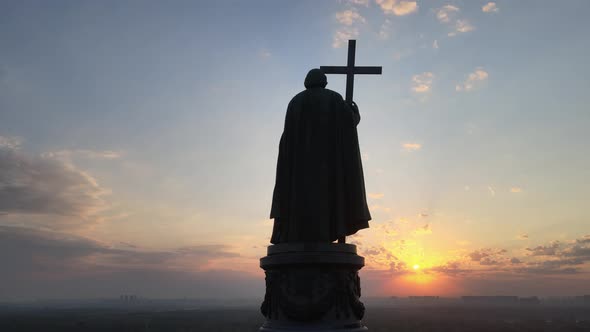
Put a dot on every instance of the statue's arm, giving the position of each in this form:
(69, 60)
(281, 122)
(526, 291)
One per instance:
(356, 115)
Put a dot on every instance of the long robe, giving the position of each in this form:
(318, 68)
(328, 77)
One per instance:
(319, 193)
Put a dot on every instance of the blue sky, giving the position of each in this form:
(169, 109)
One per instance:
(150, 127)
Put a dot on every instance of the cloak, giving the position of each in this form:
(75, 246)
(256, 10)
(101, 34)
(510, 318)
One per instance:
(319, 193)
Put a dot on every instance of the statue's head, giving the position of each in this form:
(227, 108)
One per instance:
(315, 78)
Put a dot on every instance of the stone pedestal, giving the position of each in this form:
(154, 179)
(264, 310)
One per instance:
(312, 287)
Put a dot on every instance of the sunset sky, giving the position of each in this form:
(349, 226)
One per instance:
(139, 139)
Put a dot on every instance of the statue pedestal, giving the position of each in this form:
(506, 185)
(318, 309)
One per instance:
(312, 287)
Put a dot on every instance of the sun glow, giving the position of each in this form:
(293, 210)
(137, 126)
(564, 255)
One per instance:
(416, 267)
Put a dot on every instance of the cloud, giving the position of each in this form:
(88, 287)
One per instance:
(473, 80)
(360, 2)
(578, 251)
(451, 268)
(38, 263)
(342, 35)
(424, 230)
(44, 185)
(411, 146)
(584, 240)
(84, 153)
(490, 7)
(492, 191)
(435, 44)
(398, 7)
(477, 270)
(515, 190)
(381, 258)
(463, 26)
(545, 250)
(349, 17)
(487, 256)
(552, 266)
(10, 143)
(422, 83)
(384, 30)
(523, 236)
(376, 195)
(446, 13)
(264, 53)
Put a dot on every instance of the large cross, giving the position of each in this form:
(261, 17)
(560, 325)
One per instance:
(350, 70)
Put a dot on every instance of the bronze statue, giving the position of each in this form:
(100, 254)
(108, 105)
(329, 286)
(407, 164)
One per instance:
(319, 193)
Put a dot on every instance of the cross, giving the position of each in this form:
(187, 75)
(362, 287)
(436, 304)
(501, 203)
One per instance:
(350, 70)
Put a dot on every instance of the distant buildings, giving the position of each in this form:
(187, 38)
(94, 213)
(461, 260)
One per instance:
(493, 300)
(128, 298)
(423, 298)
(501, 300)
(532, 300)
(498, 300)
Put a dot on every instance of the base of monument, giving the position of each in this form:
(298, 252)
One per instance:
(312, 287)
(313, 329)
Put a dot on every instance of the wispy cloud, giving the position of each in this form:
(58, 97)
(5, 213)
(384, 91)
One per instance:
(424, 230)
(515, 190)
(523, 236)
(411, 146)
(435, 44)
(422, 83)
(545, 250)
(490, 7)
(360, 2)
(376, 195)
(462, 26)
(446, 13)
(397, 7)
(385, 29)
(349, 17)
(84, 153)
(473, 80)
(342, 35)
(486, 256)
(48, 185)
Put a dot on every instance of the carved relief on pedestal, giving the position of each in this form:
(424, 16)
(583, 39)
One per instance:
(313, 291)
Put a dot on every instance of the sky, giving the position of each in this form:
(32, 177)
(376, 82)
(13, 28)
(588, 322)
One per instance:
(139, 139)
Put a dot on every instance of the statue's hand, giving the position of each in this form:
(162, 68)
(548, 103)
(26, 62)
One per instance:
(356, 116)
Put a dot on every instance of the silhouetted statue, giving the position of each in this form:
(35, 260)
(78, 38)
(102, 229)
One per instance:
(319, 194)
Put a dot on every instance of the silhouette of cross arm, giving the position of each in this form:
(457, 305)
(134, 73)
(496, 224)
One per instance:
(350, 70)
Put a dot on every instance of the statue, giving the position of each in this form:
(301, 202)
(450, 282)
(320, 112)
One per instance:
(319, 193)
(313, 284)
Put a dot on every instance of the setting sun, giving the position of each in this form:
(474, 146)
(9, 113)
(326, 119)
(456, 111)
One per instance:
(416, 266)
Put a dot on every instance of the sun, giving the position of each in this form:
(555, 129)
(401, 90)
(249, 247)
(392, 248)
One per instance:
(416, 267)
